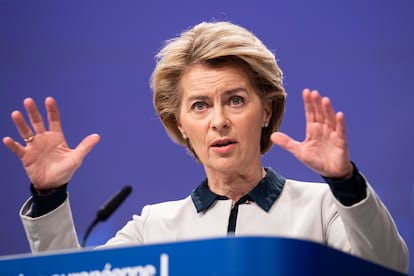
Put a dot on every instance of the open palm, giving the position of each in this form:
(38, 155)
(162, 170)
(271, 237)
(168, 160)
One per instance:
(324, 149)
(47, 159)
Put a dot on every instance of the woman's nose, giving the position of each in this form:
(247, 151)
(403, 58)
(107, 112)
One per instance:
(219, 119)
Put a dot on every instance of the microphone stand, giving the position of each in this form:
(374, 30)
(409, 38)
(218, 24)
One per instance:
(107, 209)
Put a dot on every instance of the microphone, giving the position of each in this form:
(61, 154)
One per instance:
(107, 209)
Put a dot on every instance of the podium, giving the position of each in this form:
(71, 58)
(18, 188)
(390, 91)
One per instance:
(219, 256)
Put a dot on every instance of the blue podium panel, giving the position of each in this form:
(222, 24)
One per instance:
(221, 256)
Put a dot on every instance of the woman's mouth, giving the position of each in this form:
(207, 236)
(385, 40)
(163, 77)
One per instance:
(223, 146)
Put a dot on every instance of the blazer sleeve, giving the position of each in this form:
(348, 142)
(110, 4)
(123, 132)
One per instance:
(370, 232)
(52, 231)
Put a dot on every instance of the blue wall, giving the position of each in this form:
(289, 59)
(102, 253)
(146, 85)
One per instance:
(96, 57)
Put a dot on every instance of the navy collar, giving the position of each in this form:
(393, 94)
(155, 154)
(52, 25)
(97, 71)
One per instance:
(264, 194)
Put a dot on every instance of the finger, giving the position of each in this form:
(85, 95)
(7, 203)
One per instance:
(340, 125)
(34, 115)
(285, 142)
(330, 117)
(87, 144)
(14, 146)
(21, 125)
(53, 115)
(317, 106)
(309, 110)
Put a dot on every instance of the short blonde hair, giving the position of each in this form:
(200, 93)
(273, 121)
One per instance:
(205, 43)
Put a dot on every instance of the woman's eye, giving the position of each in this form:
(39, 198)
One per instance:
(236, 100)
(198, 106)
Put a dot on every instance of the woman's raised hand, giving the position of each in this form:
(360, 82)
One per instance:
(325, 148)
(46, 157)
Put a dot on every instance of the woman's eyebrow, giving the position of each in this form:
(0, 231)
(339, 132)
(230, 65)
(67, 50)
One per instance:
(235, 91)
(226, 93)
(197, 98)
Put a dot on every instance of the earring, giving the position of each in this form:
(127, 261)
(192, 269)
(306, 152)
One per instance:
(184, 136)
(266, 124)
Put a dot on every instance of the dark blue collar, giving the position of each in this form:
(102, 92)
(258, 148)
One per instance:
(264, 194)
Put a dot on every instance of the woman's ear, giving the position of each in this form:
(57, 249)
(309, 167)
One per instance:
(267, 107)
(180, 128)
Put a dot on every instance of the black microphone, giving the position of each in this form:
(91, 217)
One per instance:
(107, 209)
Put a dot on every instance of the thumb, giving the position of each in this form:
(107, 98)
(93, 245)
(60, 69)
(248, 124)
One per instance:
(285, 142)
(86, 145)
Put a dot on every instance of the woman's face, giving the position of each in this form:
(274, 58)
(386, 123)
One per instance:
(222, 116)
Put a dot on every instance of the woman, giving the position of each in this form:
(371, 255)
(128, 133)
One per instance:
(218, 91)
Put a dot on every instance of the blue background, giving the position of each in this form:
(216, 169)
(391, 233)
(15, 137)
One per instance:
(96, 57)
